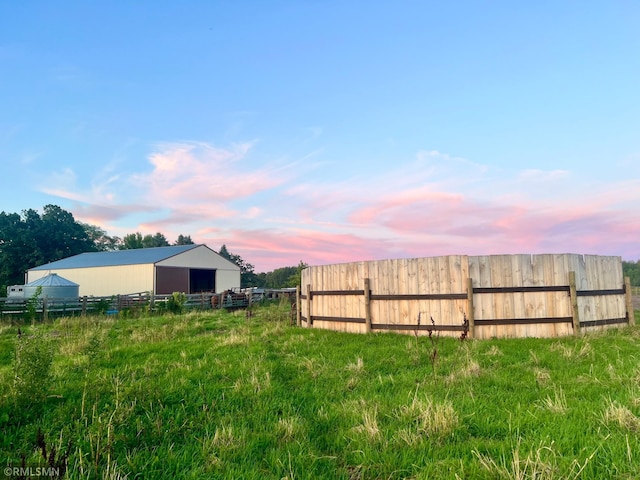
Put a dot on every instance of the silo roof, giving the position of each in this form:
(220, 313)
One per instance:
(52, 280)
(118, 257)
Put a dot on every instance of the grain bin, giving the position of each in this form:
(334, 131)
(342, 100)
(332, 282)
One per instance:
(53, 286)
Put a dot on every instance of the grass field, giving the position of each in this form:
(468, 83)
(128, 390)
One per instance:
(212, 395)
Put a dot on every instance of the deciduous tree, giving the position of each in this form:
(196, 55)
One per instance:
(33, 239)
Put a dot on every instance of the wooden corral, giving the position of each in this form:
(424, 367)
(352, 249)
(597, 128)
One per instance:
(548, 295)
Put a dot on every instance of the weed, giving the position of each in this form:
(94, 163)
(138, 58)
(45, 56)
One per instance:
(541, 375)
(433, 357)
(494, 351)
(620, 415)
(32, 305)
(465, 328)
(557, 404)
(32, 373)
(541, 463)
(369, 426)
(288, 428)
(175, 303)
(426, 419)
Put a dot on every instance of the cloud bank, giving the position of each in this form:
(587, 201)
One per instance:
(275, 214)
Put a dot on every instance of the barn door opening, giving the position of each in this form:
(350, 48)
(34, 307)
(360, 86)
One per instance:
(202, 280)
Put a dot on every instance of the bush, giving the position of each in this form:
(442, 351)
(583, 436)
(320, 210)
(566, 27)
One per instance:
(175, 303)
(32, 373)
(32, 305)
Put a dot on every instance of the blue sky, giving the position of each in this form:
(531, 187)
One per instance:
(329, 131)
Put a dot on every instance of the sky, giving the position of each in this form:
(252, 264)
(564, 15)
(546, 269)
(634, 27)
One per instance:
(329, 131)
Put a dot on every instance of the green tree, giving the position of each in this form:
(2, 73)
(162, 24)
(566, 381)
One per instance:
(296, 278)
(100, 239)
(184, 240)
(632, 270)
(248, 277)
(131, 241)
(279, 278)
(33, 239)
(157, 240)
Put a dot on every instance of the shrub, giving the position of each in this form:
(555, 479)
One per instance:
(175, 303)
(32, 305)
(32, 373)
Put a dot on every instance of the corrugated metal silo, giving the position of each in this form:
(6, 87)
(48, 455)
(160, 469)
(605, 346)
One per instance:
(53, 286)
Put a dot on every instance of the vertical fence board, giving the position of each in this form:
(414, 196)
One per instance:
(529, 299)
(435, 310)
(424, 287)
(593, 283)
(561, 270)
(485, 302)
(375, 288)
(413, 286)
(495, 266)
(474, 274)
(550, 297)
(540, 298)
(459, 307)
(519, 265)
(444, 286)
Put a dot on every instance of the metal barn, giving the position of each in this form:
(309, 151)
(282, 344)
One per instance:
(160, 270)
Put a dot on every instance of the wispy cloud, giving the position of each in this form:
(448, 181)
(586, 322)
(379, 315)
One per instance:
(434, 204)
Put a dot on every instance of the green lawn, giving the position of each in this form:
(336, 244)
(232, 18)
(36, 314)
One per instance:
(212, 395)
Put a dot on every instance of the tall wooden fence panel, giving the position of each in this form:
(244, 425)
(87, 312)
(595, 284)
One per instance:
(601, 293)
(489, 296)
(410, 295)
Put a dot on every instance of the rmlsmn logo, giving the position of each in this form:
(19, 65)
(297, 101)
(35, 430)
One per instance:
(31, 472)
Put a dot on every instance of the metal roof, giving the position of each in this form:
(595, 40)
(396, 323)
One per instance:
(118, 257)
(52, 280)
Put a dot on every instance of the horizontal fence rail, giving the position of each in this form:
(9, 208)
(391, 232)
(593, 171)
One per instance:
(44, 307)
(490, 296)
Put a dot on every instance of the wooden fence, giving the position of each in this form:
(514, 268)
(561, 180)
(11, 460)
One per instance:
(44, 307)
(485, 296)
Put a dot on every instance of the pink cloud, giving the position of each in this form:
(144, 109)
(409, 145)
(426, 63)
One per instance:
(275, 215)
(188, 172)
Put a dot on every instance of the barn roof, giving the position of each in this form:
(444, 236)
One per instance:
(118, 257)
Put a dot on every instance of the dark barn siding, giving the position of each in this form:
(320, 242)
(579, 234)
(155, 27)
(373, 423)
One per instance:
(182, 279)
(172, 279)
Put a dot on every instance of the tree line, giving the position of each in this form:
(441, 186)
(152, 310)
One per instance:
(632, 270)
(31, 239)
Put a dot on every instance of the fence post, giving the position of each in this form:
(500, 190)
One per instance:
(298, 307)
(45, 314)
(367, 304)
(575, 313)
(84, 305)
(470, 313)
(152, 302)
(309, 321)
(631, 318)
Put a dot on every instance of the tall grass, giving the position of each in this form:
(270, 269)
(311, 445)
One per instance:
(230, 395)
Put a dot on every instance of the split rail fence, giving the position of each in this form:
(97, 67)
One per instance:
(45, 307)
(485, 296)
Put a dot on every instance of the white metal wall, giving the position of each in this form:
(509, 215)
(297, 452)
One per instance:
(105, 281)
(199, 257)
(227, 279)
